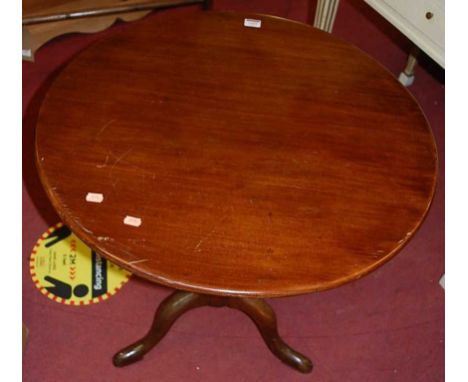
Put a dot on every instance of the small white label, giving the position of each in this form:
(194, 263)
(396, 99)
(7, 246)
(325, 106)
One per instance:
(252, 23)
(27, 52)
(94, 197)
(132, 220)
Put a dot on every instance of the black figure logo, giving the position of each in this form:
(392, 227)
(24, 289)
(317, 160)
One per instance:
(64, 290)
(58, 235)
(61, 288)
(99, 272)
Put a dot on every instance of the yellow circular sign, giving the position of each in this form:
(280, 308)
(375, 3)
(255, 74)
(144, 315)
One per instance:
(67, 271)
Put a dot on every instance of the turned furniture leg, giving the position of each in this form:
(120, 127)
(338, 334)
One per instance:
(325, 14)
(180, 302)
(168, 312)
(407, 75)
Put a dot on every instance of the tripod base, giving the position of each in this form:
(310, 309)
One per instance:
(180, 302)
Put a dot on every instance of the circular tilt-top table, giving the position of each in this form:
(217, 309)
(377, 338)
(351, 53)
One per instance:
(234, 157)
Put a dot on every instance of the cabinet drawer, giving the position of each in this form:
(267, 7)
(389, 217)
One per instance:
(428, 16)
(422, 21)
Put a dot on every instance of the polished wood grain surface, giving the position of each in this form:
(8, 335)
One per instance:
(262, 162)
(53, 11)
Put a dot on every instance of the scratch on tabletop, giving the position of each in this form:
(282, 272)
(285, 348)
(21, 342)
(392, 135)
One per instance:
(105, 162)
(104, 128)
(208, 235)
(138, 261)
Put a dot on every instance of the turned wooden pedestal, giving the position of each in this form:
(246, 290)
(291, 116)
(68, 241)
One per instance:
(180, 302)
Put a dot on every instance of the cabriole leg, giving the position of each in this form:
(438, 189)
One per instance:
(265, 319)
(168, 312)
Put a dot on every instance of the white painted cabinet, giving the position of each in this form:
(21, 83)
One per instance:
(422, 21)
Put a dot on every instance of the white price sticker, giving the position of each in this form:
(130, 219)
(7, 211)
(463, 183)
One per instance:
(94, 197)
(252, 23)
(132, 220)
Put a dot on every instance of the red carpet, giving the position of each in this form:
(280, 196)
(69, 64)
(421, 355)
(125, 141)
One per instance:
(388, 326)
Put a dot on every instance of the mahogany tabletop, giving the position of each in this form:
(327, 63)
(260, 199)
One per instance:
(263, 160)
